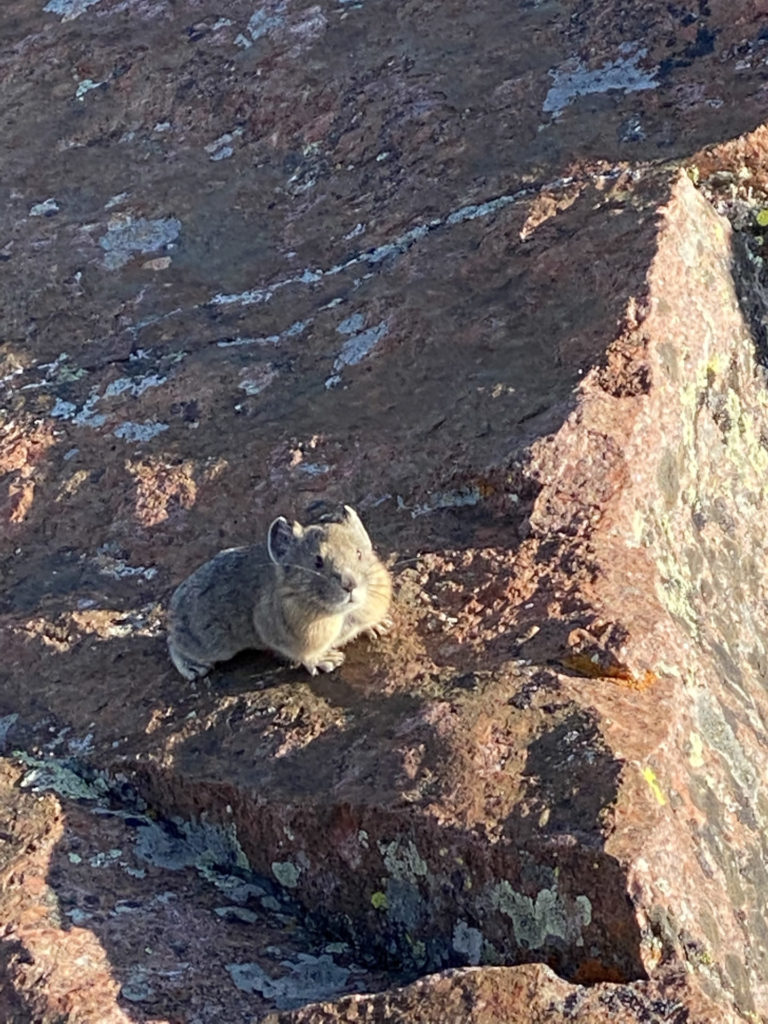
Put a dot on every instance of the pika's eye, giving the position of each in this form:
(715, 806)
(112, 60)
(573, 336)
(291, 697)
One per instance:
(318, 562)
(359, 554)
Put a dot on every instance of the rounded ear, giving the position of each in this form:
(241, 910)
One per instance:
(354, 520)
(280, 538)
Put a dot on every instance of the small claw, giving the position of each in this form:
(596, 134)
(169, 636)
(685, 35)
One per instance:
(331, 660)
(380, 629)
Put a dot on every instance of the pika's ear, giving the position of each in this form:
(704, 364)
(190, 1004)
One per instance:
(280, 538)
(354, 519)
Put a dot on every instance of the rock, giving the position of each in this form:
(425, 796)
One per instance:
(441, 274)
(515, 995)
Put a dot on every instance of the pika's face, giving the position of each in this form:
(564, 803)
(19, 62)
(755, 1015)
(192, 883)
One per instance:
(327, 563)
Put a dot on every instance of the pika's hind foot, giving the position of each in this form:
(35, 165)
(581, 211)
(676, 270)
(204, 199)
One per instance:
(380, 629)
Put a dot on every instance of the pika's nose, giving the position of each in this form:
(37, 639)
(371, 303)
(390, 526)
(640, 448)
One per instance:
(348, 583)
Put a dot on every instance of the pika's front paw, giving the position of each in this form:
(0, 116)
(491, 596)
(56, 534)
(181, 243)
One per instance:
(329, 661)
(188, 667)
(380, 629)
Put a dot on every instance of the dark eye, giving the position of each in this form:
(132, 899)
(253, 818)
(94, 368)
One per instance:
(359, 555)
(318, 562)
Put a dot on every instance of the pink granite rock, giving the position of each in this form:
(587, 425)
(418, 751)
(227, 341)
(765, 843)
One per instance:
(423, 259)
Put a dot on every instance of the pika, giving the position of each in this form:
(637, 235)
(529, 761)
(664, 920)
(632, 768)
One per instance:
(303, 595)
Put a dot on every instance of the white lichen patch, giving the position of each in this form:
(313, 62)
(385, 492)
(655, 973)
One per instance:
(85, 86)
(45, 209)
(116, 200)
(266, 19)
(258, 379)
(464, 497)
(475, 210)
(271, 339)
(133, 386)
(352, 324)
(255, 296)
(145, 431)
(105, 858)
(221, 148)
(80, 745)
(126, 236)
(63, 410)
(68, 9)
(120, 570)
(313, 468)
(573, 78)
(87, 416)
(357, 346)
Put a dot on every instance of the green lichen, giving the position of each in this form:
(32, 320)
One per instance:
(468, 941)
(402, 859)
(491, 956)
(286, 873)
(379, 900)
(535, 922)
(54, 775)
(418, 949)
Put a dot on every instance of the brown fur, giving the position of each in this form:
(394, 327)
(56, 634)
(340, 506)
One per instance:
(304, 594)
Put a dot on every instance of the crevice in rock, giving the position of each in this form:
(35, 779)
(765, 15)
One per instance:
(412, 897)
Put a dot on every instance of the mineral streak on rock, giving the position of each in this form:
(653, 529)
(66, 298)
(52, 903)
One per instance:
(439, 261)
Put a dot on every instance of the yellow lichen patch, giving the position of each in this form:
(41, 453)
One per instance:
(379, 900)
(650, 777)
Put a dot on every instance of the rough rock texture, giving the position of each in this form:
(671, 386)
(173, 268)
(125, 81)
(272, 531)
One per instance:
(439, 261)
(515, 995)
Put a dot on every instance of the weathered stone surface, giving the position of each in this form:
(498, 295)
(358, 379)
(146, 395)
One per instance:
(412, 257)
(531, 994)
